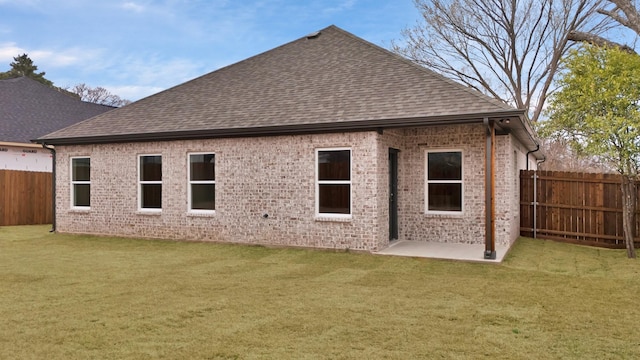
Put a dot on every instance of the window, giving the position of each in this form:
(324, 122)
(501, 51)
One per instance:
(444, 187)
(202, 182)
(150, 180)
(333, 185)
(81, 182)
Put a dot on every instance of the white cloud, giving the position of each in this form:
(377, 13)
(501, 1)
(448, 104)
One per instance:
(342, 6)
(138, 76)
(8, 51)
(52, 59)
(153, 69)
(131, 6)
(49, 58)
(133, 92)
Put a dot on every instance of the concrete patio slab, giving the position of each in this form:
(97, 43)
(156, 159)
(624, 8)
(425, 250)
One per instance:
(464, 252)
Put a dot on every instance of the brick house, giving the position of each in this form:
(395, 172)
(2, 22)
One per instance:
(328, 141)
(28, 110)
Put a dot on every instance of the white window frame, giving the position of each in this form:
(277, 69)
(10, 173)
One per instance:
(194, 182)
(77, 182)
(334, 182)
(427, 182)
(140, 183)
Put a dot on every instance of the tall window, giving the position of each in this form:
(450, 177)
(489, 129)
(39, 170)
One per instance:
(150, 182)
(81, 182)
(444, 186)
(202, 182)
(333, 185)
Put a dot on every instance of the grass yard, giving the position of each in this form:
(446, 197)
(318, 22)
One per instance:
(82, 297)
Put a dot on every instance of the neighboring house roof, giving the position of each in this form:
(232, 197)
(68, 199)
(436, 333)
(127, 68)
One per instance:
(328, 81)
(29, 109)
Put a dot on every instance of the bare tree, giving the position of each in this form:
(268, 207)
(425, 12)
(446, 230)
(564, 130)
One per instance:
(98, 95)
(625, 13)
(561, 157)
(508, 49)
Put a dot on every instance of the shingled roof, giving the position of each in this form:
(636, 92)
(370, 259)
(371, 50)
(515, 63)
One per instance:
(329, 80)
(29, 109)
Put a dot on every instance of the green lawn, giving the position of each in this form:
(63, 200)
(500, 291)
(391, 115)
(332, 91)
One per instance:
(82, 297)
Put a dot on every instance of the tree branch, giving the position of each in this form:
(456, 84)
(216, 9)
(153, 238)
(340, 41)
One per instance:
(631, 18)
(580, 36)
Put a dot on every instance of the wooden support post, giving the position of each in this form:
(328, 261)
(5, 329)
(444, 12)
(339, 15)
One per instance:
(490, 207)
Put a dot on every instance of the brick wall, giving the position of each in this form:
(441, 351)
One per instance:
(467, 227)
(254, 176)
(504, 189)
(276, 176)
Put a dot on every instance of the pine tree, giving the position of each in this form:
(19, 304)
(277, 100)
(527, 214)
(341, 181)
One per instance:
(22, 65)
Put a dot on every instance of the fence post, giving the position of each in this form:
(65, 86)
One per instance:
(535, 203)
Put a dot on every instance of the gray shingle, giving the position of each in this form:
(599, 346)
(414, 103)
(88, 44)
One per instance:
(335, 77)
(29, 109)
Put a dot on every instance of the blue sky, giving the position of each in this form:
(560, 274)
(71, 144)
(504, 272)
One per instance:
(135, 48)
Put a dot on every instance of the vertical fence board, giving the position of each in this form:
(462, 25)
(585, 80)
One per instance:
(526, 208)
(25, 198)
(580, 208)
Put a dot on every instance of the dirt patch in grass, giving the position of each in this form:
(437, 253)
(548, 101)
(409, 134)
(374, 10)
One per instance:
(79, 297)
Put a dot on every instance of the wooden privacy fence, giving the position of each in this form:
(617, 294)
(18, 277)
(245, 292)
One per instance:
(25, 198)
(581, 208)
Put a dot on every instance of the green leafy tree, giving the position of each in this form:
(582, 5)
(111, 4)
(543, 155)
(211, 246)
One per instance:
(22, 65)
(597, 110)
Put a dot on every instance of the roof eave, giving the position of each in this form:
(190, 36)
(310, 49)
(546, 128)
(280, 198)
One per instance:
(298, 129)
(19, 144)
(524, 132)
